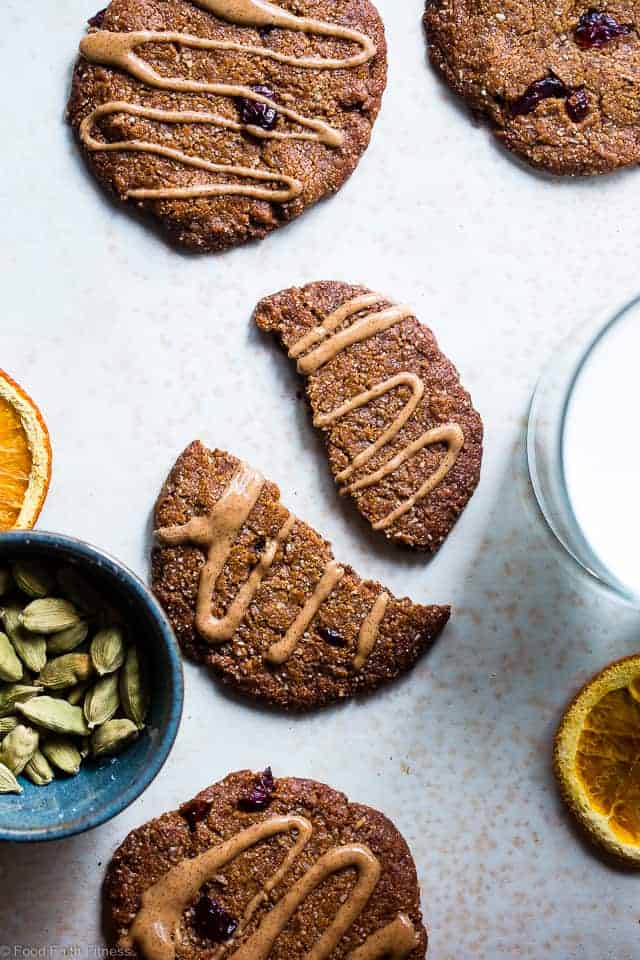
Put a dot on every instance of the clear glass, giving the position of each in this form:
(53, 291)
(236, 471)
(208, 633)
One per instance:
(583, 445)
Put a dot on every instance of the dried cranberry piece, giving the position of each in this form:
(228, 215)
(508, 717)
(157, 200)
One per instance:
(212, 922)
(260, 796)
(596, 29)
(96, 20)
(195, 811)
(577, 105)
(331, 636)
(257, 114)
(550, 86)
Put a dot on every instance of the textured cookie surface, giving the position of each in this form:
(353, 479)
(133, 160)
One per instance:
(224, 119)
(367, 871)
(272, 612)
(558, 81)
(403, 438)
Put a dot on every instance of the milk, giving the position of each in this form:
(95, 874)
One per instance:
(601, 449)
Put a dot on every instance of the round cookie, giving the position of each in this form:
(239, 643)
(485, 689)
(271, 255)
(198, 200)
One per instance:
(557, 81)
(224, 119)
(259, 869)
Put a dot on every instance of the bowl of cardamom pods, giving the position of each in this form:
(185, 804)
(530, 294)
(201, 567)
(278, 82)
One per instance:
(91, 686)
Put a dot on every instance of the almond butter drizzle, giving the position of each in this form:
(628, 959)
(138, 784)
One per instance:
(156, 928)
(217, 532)
(117, 50)
(328, 342)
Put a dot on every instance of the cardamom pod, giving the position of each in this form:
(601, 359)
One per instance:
(18, 747)
(134, 689)
(55, 715)
(49, 615)
(108, 650)
(7, 724)
(30, 647)
(8, 782)
(76, 696)
(16, 693)
(102, 701)
(63, 754)
(6, 581)
(66, 671)
(112, 737)
(67, 640)
(33, 578)
(10, 666)
(38, 770)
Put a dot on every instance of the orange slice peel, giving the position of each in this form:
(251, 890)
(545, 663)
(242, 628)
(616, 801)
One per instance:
(25, 457)
(597, 759)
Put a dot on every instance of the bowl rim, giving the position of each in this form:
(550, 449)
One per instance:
(85, 550)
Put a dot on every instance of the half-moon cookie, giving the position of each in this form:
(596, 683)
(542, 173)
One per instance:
(257, 595)
(403, 439)
(255, 868)
(224, 119)
(558, 82)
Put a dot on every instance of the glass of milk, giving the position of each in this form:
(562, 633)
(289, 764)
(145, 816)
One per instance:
(584, 449)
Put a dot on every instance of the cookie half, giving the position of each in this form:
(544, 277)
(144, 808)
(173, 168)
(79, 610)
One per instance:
(257, 595)
(224, 119)
(557, 81)
(403, 439)
(300, 873)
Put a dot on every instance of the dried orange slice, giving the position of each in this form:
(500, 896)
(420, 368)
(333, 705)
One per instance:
(597, 758)
(25, 457)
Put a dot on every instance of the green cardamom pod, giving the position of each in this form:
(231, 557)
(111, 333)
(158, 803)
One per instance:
(63, 754)
(33, 578)
(66, 671)
(30, 647)
(77, 694)
(8, 782)
(67, 640)
(18, 747)
(84, 747)
(134, 689)
(7, 724)
(16, 693)
(108, 650)
(112, 737)
(10, 665)
(38, 770)
(49, 615)
(102, 701)
(6, 581)
(55, 715)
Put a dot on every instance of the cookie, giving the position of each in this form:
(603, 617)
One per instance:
(254, 868)
(257, 595)
(557, 81)
(403, 439)
(224, 119)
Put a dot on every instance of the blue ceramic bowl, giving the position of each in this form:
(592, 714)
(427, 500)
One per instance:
(70, 805)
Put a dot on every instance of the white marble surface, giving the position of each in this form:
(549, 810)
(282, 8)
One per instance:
(133, 350)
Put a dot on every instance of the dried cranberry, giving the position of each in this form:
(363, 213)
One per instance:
(260, 796)
(331, 636)
(96, 20)
(257, 114)
(596, 29)
(195, 811)
(211, 922)
(550, 86)
(577, 105)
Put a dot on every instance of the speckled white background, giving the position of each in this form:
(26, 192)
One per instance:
(133, 350)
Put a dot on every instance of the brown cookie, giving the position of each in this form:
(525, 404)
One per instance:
(224, 119)
(557, 81)
(402, 436)
(272, 612)
(284, 873)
